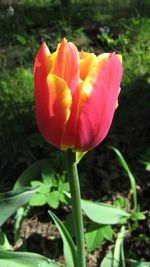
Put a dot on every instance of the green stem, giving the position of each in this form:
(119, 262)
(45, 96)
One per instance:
(76, 207)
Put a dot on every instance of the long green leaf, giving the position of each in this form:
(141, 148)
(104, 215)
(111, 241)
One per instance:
(134, 263)
(25, 259)
(69, 246)
(103, 213)
(108, 260)
(115, 257)
(118, 255)
(12, 200)
(33, 172)
(4, 243)
(130, 175)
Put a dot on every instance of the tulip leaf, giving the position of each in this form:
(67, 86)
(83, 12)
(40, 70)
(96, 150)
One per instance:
(130, 175)
(69, 246)
(115, 257)
(4, 243)
(12, 200)
(96, 234)
(103, 213)
(25, 259)
(107, 260)
(134, 263)
(118, 254)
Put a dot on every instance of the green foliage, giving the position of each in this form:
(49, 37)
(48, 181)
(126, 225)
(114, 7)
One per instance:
(51, 191)
(69, 246)
(25, 259)
(122, 203)
(50, 180)
(101, 216)
(21, 213)
(103, 213)
(107, 260)
(138, 216)
(147, 163)
(134, 263)
(4, 243)
(130, 175)
(115, 257)
(96, 234)
(12, 200)
(118, 254)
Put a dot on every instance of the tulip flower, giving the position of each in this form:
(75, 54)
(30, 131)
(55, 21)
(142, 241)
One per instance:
(75, 95)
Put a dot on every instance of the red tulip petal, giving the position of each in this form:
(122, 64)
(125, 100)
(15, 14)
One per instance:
(52, 106)
(98, 104)
(42, 61)
(69, 137)
(66, 64)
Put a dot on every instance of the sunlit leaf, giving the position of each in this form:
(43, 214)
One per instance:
(12, 200)
(64, 187)
(21, 39)
(4, 243)
(62, 198)
(25, 259)
(107, 260)
(38, 200)
(69, 246)
(118, 254)
(20, 214)
(53, 199)
(138, 216)
(96, 234)
(129, 173)
(48, 174)
(115, 257)
(44, 189)
(107, 232)
(103, 213)
(147, 164)
(134, 263)
(94, 238)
